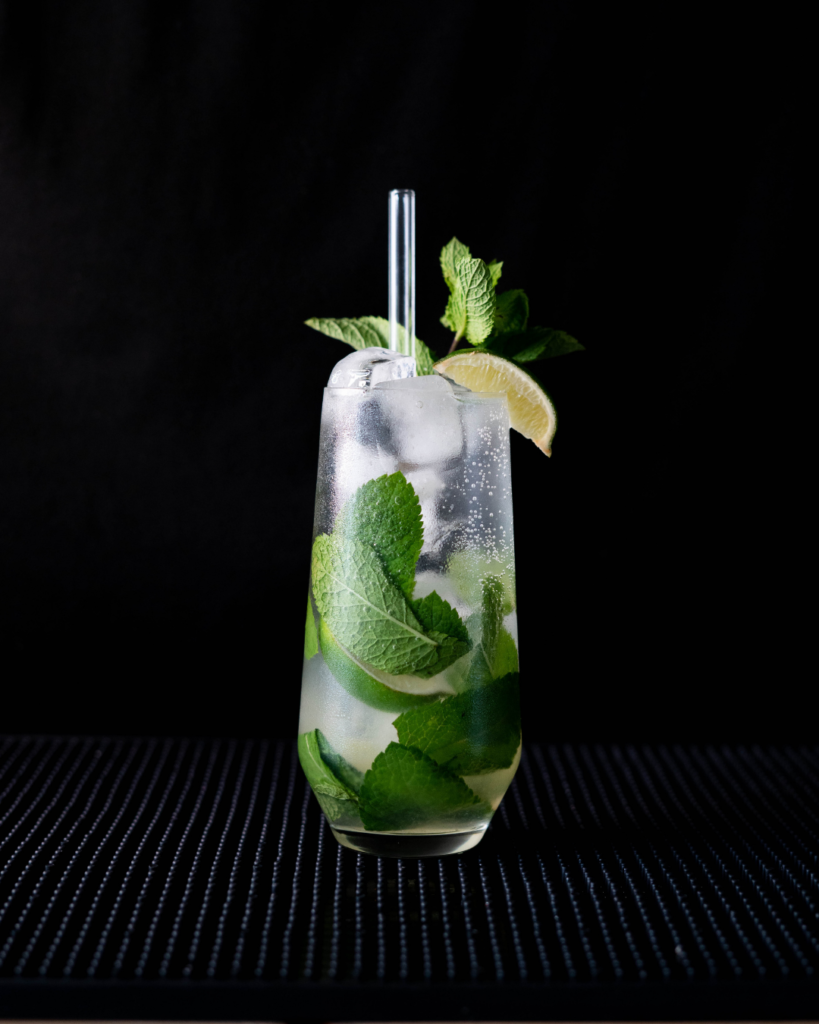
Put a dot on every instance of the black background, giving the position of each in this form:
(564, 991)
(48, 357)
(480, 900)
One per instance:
(182, 184)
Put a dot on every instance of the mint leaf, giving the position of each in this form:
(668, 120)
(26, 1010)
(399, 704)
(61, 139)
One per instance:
(511, 312)
(491, 616)
(370, 332)
(371, 617)
(468, 568)
(484, 628)
(451, 255)
(311, 645)
(348, 775)
(337, 793)
(471, 284)
(483, 670)
(506, 655)
(470, 734)
(534, 343)
(455, 314)
(362, 577)
(475, 285)
(366, 683)
(405, 788)
(443, 624)
(358, 332)
(364, 611)
(386, 514)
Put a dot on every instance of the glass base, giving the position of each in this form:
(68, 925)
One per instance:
(398, 844)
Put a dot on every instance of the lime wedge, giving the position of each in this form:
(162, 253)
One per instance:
(373, 687)
(531, 412)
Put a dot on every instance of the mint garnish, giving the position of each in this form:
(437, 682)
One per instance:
(470, 734)
(491, 321)
(370, 332)
(332, 778)
(405, 788)
(526, 346)
(451, 255)
(311, 644)
(386, 514)
(477, 295)
(511, 312)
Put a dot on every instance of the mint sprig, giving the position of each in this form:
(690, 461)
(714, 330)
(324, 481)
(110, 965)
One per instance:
(370, 332)
(488, 320)
(469, 303)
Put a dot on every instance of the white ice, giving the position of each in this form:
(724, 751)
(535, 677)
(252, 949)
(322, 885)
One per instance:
(425, 419)
(367, 367)
(356, 731)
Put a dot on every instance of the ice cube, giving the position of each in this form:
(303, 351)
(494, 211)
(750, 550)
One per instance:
(369, 366)
(459, 389)
(428, 382)
(424, 417)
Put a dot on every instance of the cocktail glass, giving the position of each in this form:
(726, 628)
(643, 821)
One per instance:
(409, 730)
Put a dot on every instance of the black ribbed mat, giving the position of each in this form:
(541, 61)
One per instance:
(196, 879)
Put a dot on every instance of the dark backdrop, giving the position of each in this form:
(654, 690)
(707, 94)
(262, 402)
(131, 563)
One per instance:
(182, 184)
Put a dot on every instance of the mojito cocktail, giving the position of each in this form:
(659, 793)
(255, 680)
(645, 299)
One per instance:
(409, 731)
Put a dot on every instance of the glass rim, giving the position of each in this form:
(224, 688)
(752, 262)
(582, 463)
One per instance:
(462, 396)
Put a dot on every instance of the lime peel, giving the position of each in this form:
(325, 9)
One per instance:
(531, 411)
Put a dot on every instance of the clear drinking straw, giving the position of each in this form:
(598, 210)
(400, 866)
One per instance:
(402, 270)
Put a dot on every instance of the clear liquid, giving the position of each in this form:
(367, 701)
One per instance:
(454, 451)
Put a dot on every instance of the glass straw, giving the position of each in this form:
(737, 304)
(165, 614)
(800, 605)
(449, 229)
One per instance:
(402, 270)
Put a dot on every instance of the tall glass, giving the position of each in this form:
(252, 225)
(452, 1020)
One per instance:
(410, 726)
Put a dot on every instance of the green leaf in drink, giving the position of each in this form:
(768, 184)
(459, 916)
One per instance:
(473, 733)
(347, 774)
(332, 778)
(385, 513)
(444, 625)
(369, 616)
(494, 651)
(405, 788)
(364, 610)
(311, 646)
(362, 575)
(376, 689)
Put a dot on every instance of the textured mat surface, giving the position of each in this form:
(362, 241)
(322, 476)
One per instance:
(142, 876)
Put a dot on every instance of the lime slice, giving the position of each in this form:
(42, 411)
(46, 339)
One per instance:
(531, 412)
(370, 685)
